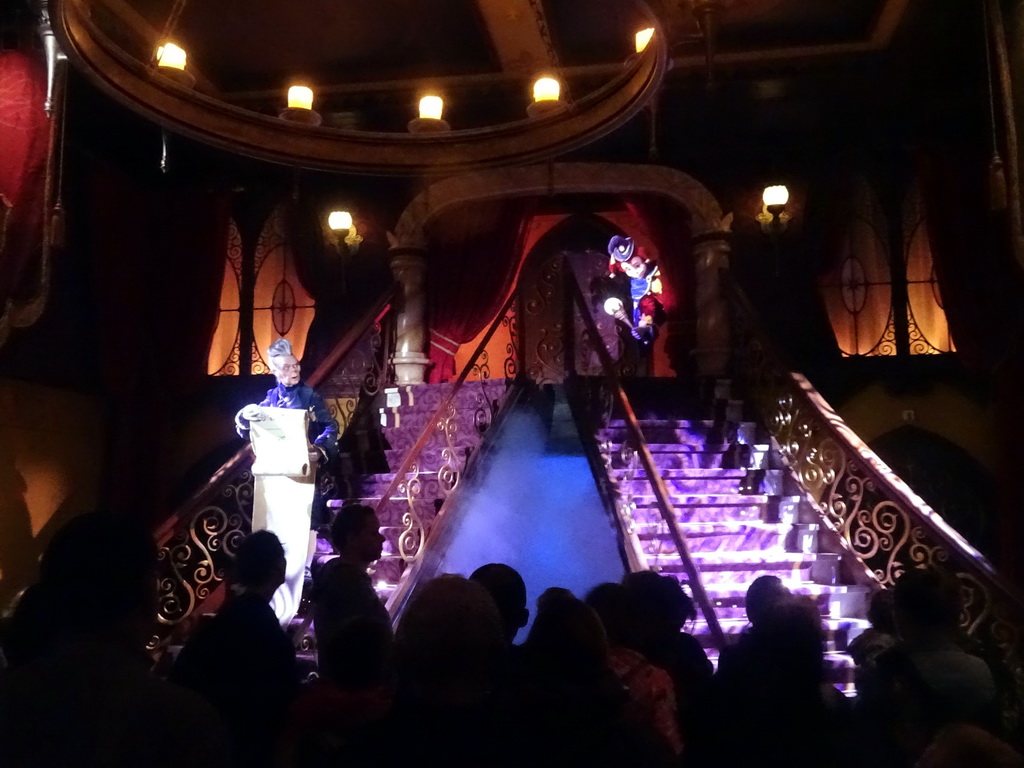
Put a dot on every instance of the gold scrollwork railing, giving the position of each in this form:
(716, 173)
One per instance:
(880, 519)
(638, 449)
(448, 462)
(197, 543)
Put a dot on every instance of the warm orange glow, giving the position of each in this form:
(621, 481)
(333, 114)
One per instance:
(775, 195)
(546, 89)
(300, 97)
(338, 220)
(643, 37)
(171, 56)
(431, 107)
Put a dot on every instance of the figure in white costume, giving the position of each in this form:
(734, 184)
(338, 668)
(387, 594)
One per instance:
(284, 471)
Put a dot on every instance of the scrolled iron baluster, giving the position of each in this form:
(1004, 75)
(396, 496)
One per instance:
(511, 323)
(410, 540)
(450, 471)
(976, 603)
(374, 375)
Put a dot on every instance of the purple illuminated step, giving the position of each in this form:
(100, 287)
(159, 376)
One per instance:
(743, 567)
(715, 537)
(706, 508)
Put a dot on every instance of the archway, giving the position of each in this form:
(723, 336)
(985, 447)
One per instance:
(707, 233)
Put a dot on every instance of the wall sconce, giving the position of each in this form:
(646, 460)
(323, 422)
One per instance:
(170, 62)
(429, 120)
(773, 216)
(642, 38)
(300, 106)
(546, 97)
(344, 229)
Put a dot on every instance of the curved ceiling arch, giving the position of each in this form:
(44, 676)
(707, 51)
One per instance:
(211, 121)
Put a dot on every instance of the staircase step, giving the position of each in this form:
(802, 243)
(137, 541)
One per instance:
(426, 398)
(744, 567)
(687, 431)
(373, 486)
(715, 536)
(667, 457)
(769, 481)
(711, 509)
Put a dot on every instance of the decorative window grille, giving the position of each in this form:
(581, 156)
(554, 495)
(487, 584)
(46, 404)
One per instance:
(871, 313)
(261, 299)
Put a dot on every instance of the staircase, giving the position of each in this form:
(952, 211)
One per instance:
(741, 511)
(403, 413)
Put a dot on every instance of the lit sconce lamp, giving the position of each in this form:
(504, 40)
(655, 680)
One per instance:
(429, 120)
(300, 106)
(643, 37)
(344, 229)
(773, 216)
(170, 63)
(546, 97)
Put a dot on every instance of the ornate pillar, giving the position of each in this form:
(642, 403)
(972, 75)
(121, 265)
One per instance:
(711, 254)
(409, 266)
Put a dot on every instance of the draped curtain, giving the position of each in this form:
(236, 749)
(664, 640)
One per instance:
(343, 284)
(477, 252)
(158, 255)
(979, 281)
(24, 134)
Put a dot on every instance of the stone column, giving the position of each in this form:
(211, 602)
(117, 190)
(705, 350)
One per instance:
(409, 266)
(711, 254)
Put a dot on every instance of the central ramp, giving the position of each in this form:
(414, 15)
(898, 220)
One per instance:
(536, 507)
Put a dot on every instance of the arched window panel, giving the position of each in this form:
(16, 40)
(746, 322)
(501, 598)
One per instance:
(281, 306)
(224, 356)
(926, 318)
(857, 292)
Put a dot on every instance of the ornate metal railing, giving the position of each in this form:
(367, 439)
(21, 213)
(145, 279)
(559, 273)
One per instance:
(197, 542)
(435, 464)
(634, 453)
(882, 521)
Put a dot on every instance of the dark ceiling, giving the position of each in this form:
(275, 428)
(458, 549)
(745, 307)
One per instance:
(248, 51)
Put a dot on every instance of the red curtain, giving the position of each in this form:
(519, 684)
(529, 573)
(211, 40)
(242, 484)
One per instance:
(158, 256)
(24, 134)
(980, 283)
(473, 264)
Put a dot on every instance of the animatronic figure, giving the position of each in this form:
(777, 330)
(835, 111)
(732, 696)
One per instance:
(286, 502)
(643, 289)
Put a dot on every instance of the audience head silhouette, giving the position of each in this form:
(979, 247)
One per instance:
(880, 612)
(508, 590)
(567, 640)
(260, 563)
(355, 534)
(762, 594)
(614, 608)
(101, 548)
(449, 644)
(926, 602)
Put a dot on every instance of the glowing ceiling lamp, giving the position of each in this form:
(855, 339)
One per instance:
(643, 37)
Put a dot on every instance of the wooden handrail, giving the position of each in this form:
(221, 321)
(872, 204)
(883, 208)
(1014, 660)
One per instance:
(665, 506)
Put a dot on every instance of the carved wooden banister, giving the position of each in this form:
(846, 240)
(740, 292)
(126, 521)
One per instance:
(197, 542)
(888, 526)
